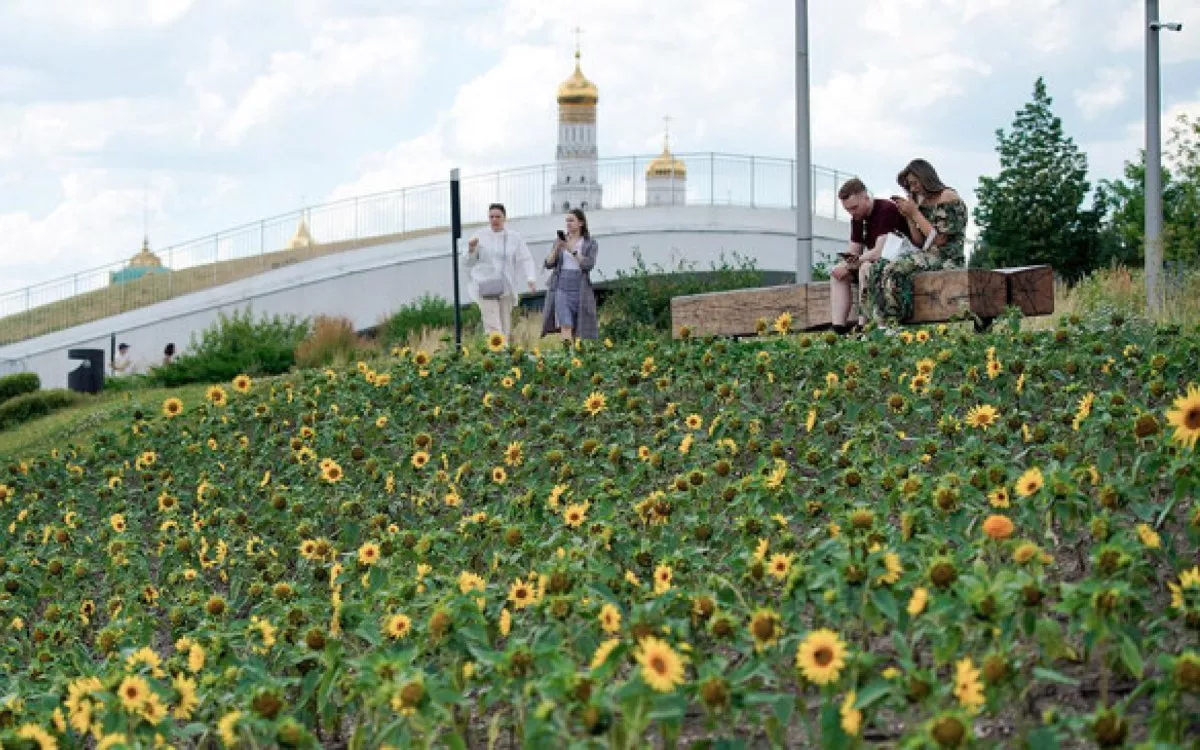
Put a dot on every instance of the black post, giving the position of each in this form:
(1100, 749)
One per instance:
(455, 234)
(112, 347)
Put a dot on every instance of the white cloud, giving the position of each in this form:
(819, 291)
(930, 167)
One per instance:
(1127, 31)
(58, 131)
(343, 53)
(1104, 93)
(103, 15)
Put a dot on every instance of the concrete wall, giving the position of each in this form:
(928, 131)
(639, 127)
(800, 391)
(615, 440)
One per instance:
(366, 285)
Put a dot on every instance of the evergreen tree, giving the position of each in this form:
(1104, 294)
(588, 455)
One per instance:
(1033, 211)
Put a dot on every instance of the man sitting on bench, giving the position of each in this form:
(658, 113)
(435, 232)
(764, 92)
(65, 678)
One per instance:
(871, 221)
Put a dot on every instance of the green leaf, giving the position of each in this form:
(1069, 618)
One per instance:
(873, 693)
(1042, 739)
(885, 602)
(1050, 675)
(1131, 657)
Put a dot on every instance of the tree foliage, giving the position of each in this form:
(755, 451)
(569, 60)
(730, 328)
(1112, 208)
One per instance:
(1033, 211)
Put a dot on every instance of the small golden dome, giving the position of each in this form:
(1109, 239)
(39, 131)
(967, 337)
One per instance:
(577, 89)
(666, 165)
(145, 258)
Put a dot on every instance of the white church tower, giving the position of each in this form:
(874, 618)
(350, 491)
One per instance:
(666, 177)
(577, 183)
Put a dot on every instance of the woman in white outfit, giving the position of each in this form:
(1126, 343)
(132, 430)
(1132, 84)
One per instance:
(496, 260)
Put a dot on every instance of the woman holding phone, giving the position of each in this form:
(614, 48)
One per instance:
(937, 224)
(570, 302)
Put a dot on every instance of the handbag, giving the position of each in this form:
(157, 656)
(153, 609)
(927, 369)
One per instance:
(896, 246)
(493, 288)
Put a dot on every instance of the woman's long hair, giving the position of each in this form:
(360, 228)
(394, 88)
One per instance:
(931, 184)
(583, 225)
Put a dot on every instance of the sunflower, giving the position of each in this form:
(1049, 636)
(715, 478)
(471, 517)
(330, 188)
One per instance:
(894, 569)
(43, 739)
(916, 605)
(499, 475)
(505, 622)
(994, 368)
(1030, 482)
(694, 421)
(662, 668)
(610, 619)
(821, 656)
(397, 626)
(522, 594)
(332, 472)
(381, 422)
(1185, 417)
(368, 553)
(603, 651)
(575, 514)
(780, 565)
(496, 342)
(1148, 536)
(513, 455)
(172, 407)
(227, 728)
(216, 396)
(998, 527)
(419, 459)
(188, 700)
(983, 416)
(765, 628)
(133, 693)
(594, 404)
(242, 384)
(851, 716)
(967, 687)
(999, 497)
(154, 710)
(421, 358)
(783, 323)
(468, 582)
(117, 521)
(643, 452)
(662, 579)
(1188, 579)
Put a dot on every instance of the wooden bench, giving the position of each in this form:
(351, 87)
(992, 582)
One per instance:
(938, 296)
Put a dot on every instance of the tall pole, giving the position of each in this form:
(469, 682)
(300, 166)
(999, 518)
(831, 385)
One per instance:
(455, 234)
(1154, 209)
(803, 151)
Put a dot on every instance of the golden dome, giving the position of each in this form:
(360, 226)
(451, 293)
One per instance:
(145, 258)
(666, 165)
(577, 89)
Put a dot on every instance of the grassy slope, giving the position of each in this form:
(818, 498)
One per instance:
(95, 414)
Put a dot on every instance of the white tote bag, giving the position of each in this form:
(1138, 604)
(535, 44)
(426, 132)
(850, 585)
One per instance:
(896, 246)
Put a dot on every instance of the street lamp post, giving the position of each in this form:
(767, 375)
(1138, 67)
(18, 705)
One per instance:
(803, 151)
(1154, 192)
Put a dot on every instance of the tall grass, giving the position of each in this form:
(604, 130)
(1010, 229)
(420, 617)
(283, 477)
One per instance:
(332, 341)
(1123, 290)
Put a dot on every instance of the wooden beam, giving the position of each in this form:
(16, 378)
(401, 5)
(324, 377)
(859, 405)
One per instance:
(940, 295)
(1030, 288)
(736, 313)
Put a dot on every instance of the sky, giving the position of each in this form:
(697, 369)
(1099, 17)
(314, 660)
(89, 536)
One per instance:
(186, 117)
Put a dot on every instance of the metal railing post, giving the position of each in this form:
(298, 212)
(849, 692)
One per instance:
(712, 178)
(751, 182)
(216, 255)
(403, 201)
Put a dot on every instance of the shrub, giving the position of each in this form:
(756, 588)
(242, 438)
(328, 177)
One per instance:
(641, 300)
(21, 409)
(332, 341)
(15, 385)
(428, 312)
(237, 344)
(126, 383)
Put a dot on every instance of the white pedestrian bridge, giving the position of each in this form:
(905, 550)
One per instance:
(394, 248)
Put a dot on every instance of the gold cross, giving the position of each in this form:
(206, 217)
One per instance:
(577, 31)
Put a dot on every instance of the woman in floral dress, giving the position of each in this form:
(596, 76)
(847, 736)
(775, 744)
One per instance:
(937, 223)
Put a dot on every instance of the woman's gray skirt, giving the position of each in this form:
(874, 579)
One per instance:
(566, 298)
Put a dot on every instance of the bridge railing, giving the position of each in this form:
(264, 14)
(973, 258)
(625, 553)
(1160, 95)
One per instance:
(232, 254)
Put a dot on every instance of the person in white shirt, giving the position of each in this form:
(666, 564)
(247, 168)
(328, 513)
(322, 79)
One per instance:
(496, 260)
(122, 364)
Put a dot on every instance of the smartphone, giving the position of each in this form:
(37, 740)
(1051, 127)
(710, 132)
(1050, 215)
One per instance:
(562, 235)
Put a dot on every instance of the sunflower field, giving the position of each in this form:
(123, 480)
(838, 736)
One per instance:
(933, 539)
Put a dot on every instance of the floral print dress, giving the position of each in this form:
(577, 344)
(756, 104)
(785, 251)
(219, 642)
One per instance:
(889, 292)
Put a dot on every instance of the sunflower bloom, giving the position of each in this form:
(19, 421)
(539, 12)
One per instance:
(1185, 417)
(1030, 482)
(967, 686)
(821, 656)
(982, 417)
(662, 668)
(610, 619)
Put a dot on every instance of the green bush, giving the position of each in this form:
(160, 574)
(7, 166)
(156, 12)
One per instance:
(428, 312)
(237, 344)
(126, 383)
(23, 408)
(18, 384)
(640, 302)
